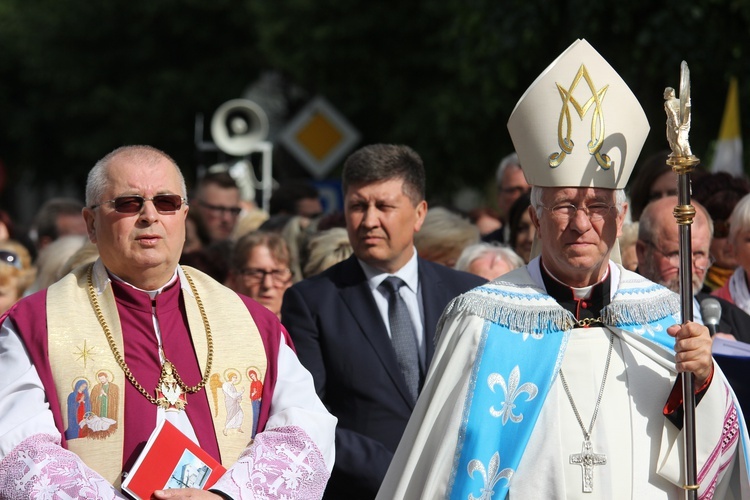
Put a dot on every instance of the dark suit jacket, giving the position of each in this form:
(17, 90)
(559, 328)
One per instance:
(340, 337)
(737, 322)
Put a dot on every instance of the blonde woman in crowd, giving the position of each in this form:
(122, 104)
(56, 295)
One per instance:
(627, 246)
(248, 222)
(52, 258)
(444, 235)
(87, 254)
(325, 249)
(736, 289)
(488, 260)
(16, 273)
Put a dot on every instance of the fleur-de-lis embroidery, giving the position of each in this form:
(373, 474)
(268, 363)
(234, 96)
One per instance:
(512, 390)
(491, 476)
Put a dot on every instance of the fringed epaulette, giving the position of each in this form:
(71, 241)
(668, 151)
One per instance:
(520, 307)
(639, 301)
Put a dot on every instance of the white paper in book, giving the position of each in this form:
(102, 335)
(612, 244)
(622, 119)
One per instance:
(733, 348)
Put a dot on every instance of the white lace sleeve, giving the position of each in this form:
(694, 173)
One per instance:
(38, 468)
(32, 462)
(293, 456)
(282, 463)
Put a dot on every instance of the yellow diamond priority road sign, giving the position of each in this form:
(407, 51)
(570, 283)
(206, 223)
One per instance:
(318, 137)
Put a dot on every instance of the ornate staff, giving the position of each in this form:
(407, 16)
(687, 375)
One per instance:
(683, 162)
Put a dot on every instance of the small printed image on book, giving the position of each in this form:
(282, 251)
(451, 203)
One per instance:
(170, 460)
(190, 472)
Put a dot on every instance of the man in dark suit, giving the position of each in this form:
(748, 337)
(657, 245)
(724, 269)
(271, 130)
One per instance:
(344, 322)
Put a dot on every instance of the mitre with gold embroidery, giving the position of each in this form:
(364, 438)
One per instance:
(578, 124)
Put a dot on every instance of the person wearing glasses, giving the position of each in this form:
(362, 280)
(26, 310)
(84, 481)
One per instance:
(658, 251)
(16, 273)
(260, 269)
(159, 332)
(511, 185)
(560, 380)
(218, 203)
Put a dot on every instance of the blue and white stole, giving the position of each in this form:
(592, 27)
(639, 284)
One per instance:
(522, 346)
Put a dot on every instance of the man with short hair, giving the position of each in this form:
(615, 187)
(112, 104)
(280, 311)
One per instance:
(167, 337)
(658, 251)
(365, 326)
(552, 382)
(511, 185)
(218, 202)
(55, 218)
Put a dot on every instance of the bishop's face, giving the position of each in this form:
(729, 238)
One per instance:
(576, 249)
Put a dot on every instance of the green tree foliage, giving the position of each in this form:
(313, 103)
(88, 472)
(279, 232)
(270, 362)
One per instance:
(80, 78)
(445, 76)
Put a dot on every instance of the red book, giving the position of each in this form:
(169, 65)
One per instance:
(171, 460)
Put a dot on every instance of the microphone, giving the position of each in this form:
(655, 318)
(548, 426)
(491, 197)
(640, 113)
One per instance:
(711, 313)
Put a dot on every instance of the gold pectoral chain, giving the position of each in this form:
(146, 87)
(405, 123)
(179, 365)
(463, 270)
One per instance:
(587, 322)
(121, 360)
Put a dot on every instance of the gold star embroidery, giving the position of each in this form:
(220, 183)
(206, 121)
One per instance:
(85, 353)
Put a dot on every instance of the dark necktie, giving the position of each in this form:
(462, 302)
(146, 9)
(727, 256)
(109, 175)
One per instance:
(403, 336)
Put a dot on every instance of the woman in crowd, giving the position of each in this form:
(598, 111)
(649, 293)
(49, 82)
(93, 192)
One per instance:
(325, 249)
(488, 260)
(260, 269)
(736, 288)
(444, 235)
(16, 273)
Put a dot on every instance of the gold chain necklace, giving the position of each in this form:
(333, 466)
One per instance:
(170, 384)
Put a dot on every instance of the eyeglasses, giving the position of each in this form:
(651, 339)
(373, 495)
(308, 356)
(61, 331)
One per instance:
(701, 261)
(133, 204)
(278, 276)
(10, 258)
(234, 211)
(566, 211)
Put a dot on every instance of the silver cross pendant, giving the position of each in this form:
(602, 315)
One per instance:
(587, 459)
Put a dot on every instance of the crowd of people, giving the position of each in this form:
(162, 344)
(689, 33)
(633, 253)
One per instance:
(391, 349)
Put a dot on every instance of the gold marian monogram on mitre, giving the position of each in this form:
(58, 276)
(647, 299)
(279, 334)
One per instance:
(597, 121)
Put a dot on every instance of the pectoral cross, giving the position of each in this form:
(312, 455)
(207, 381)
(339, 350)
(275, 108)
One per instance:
(587, 459)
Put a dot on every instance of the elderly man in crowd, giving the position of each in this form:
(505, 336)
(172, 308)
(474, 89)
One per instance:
(658, 251)
(140, 321)
(561, 379)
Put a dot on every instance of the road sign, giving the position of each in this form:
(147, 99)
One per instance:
(319, 137)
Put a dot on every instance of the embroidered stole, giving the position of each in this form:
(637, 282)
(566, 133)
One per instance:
(91, 384)
(507, 392)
